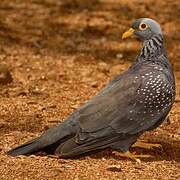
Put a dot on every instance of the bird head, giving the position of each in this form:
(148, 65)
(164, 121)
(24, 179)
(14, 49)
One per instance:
(144, 28)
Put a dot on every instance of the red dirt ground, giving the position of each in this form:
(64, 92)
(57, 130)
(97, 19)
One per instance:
(60, 54)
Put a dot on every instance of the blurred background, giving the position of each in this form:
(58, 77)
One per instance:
(79, 27)
(57, 54)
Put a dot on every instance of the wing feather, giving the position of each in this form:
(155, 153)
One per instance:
(116, 109)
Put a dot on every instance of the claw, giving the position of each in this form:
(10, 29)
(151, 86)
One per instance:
(146, 145)
(132, 156)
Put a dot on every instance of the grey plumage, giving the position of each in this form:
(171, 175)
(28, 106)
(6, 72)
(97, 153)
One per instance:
(134, 102)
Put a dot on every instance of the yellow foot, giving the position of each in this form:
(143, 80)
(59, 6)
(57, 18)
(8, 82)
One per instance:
(146, 145)
(132, 156)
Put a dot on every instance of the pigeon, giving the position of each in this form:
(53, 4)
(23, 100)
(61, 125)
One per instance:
(136, 101)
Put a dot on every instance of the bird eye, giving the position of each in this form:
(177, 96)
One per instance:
(143, 26)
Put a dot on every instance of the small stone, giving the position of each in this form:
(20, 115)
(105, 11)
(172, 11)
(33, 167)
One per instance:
(94, 84)
(114, 168)
(5, 76)
(75, 106)
(103, 67)
(119, 55)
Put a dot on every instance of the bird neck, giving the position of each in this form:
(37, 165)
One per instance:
(151, 48)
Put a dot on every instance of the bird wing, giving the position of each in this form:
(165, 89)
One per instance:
(113, 102)
(116, 109)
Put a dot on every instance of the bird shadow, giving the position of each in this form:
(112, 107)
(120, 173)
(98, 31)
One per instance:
(168, 152)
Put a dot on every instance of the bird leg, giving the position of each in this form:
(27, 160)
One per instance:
(132, 156)
(145, 145)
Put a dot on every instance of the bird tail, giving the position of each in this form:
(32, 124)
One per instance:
(50, 139)
(27, 148)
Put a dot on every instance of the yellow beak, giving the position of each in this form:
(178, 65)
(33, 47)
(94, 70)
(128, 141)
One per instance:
(128, 33)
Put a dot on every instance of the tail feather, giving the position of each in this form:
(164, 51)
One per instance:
(50, 139)
(27, 148)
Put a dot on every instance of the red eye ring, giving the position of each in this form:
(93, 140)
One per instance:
(143, 26)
